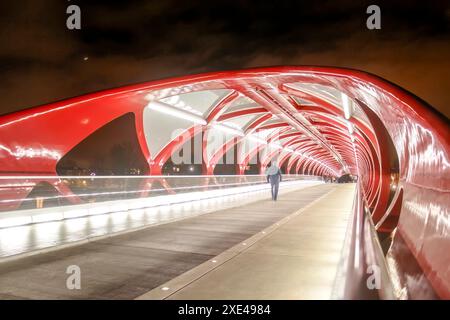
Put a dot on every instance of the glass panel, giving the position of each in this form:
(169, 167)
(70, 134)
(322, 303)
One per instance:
(242, 103)
(95, 193)
(330, 95)
(302, 102)
(327, 93)
(274, 120)
(240, 122)
(160, 129)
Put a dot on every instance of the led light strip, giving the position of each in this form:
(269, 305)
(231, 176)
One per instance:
(173, 111)
(140, 177)
(346, 105)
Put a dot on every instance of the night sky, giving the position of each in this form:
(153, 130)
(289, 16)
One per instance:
(134, 41)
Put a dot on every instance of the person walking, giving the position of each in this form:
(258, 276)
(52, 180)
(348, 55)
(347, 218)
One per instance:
(274, 178)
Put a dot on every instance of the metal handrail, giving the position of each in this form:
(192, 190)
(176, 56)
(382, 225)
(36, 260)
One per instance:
(363, 270)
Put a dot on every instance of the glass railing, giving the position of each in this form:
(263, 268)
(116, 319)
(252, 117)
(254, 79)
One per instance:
(36, 192)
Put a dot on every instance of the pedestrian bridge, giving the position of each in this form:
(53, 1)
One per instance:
(157, 190)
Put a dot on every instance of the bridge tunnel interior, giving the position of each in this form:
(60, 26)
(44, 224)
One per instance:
(314, 121)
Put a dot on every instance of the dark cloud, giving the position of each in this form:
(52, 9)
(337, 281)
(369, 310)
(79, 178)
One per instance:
(134, 41)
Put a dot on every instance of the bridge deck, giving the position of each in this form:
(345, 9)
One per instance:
(132, 264)
(298, 259)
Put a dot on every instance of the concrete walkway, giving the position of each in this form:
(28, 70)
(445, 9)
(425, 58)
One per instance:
(130, 265)
(297, 258)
